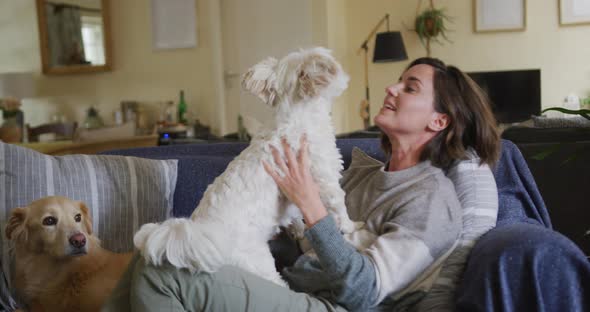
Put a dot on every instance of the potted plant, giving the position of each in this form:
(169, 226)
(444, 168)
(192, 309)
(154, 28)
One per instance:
(430, 25)
(582, 112)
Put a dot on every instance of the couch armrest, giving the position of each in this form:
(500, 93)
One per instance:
(525, 267)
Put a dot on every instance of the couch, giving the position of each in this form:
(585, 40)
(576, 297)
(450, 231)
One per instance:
(521, 265)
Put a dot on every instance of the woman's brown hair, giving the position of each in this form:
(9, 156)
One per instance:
(472, 123)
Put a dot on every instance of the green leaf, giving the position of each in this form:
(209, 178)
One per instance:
(571, 158)
(542, 155)
(546, 153)
(582, 112)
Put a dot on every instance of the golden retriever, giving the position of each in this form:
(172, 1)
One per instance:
(60, 265)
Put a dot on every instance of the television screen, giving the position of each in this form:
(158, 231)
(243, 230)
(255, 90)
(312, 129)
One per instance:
(515, 94)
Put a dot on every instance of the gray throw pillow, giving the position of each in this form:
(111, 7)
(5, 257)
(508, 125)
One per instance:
(121, 192)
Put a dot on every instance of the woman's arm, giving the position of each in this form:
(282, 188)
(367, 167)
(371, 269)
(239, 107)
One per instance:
(417, 237)
(353, 273)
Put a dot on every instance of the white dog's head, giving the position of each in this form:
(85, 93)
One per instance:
(55, 226)
(298, 77)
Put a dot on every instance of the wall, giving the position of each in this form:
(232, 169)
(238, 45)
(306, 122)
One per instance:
(330, 29)
(146, 75)
(560, 52)
(139, 73)
(252, 31)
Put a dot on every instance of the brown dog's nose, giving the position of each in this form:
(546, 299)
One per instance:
(78, 240)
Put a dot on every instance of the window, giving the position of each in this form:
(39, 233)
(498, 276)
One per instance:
(92, 36)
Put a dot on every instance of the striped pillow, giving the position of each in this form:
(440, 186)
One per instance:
(476, 189)
(122, 192)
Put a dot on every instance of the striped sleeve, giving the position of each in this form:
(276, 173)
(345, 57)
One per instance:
(476, 189)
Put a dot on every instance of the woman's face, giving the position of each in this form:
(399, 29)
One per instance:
(408, 108)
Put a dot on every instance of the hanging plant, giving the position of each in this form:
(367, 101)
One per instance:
(431, 25)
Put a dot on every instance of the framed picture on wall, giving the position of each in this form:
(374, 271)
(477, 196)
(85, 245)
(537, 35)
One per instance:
(174, 24)
(499, 15)
(574, 12)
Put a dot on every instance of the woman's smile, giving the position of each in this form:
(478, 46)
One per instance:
(388, 106)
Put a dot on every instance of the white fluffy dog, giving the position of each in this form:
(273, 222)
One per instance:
(243, 208)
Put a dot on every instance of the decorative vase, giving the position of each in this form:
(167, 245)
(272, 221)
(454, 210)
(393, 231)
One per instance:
(11, 130)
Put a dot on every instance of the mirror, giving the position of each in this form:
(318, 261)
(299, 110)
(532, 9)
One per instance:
(74, 36)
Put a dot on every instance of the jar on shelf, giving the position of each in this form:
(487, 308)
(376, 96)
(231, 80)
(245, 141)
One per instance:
(93, 119)
(11, 130)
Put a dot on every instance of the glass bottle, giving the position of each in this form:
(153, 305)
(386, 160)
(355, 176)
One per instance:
(169, 113)
(181, 109)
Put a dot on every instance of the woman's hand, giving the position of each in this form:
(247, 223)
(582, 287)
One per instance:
(297, 183)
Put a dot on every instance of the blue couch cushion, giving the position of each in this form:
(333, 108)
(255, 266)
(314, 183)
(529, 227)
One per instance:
(199, 164)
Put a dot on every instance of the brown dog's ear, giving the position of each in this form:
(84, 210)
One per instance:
(316, 73)
(15, 227)
(86, 217)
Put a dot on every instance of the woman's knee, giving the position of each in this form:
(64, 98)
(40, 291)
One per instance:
(146, 275)
(155, 288)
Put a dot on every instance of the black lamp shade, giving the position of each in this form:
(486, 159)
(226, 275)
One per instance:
(389, 47)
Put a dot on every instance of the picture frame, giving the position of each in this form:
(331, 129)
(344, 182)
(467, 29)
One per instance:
(574, 12)
(499, 15)
(174, 24)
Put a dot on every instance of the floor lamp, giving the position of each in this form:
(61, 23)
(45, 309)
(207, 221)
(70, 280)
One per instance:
(389, 47)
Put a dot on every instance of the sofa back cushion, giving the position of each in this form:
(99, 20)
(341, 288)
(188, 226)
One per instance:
(200, 164)
(122, 193)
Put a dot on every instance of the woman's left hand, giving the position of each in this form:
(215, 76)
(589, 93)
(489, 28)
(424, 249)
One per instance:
(297, 183)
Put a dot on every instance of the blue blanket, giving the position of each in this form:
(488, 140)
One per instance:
(522, 264)
(518, 195)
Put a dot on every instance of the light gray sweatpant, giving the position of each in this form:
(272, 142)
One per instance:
(144, 287)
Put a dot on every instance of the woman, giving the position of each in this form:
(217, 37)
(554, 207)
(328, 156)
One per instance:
(429, 119)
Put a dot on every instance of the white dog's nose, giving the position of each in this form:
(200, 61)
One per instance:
(78, 240)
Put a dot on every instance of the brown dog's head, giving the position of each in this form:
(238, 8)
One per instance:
(57, 226)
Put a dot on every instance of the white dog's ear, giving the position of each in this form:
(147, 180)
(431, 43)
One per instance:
(86, 217)
(15, 229)
(260, 80)
(316, 72)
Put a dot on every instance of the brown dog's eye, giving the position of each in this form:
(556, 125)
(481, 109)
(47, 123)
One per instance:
(50, 221)
(78, 218)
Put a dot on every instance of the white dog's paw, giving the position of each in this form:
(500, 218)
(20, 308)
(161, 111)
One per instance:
(359, 225)
(348, 226)
(361, 239)
(297, 229)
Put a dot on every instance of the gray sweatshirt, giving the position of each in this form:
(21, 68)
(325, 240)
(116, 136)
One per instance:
(416, 217)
